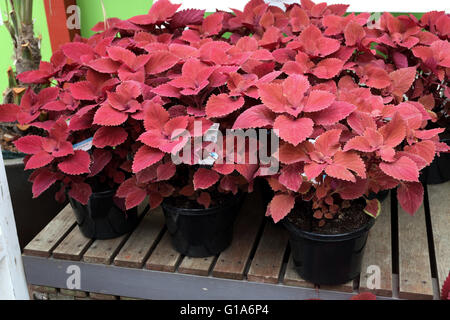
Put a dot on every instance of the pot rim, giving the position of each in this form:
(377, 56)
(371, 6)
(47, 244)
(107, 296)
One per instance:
(293, 229)
(204, 212)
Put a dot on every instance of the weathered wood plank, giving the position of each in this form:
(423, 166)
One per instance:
(232, 262)
(439, 197)
(196, 266)
(378, 255)
(414, 263)
(47, 240)
(73, 246)
(104, 251)
(268, 260)
(164, 257)
(142, 240)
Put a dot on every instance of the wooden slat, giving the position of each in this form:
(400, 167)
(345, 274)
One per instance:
(46, 241)
(142, 240)
(378, 253)
(292, 278)
(232, 262)
(104, 251)
(73, 246)
(414, 263)
(439, 196)
(196, 266)
(268, 260)
(164, 257)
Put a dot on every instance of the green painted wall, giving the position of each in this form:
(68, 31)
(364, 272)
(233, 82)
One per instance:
(92, 13)
(6, 48)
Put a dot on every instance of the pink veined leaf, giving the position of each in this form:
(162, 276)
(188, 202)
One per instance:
(344, 163)
(394, 132)
(338, 111)
(104, 65)
(109, 137)
(187, 17)
(280, 206)
(77, 164)
(29, 144)
(352, 190)
(160, 61)
(135, 198)
(403, 169)
(204, 199)
(78, 51)
(256, 117)
(223, 105)
(80, 192)
(204, 179)
(402, 80)
(319, 100)
(291, 178)
(44, 180)
(83, 90)
(354, 33)
(146, 157)
(410, 196)
(108, 116)
(294, 131)
(328, 143)
(373, 208)
(212, 24)
(328, 68)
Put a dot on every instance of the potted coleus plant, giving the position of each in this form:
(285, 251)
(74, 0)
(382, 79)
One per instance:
(174, 68)
(346, 131)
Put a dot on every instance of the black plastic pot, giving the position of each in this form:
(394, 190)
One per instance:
(381, 196)
(201, 233)
(328, 259)
(102, 218)
(439, 170)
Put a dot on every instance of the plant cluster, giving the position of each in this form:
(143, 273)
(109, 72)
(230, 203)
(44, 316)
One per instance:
(350, 101)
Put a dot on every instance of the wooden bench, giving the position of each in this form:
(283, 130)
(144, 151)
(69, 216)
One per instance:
(410, 254)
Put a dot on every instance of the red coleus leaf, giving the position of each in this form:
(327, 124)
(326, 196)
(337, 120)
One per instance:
(187, 17)
(44, 179)
(160, 61)
(100, 159)
(319, 100)
(294, 131)
(291, 177)
(365, 296)
(166, 171)
(29, 144)
(133, 195)
(403, 169)
(344, 163)
(222, 105)
(108, 116)
(76, 164)
(256, 117)
(204, 199)
(39, 160)
(338, 111)
(315, 44)
(104, 65)
(194, 77)
(80, 192)
(373, 208)
(8, 112)
(109, 137)
(83, 90)
(410, 196)
(78, 51)
(146, 157)
(445, 293)
(280, 206)
(328, 68)
(402, 80)
(204, 178)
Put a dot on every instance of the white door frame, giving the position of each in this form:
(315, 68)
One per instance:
(13, 285)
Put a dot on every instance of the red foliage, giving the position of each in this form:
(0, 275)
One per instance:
(350, 101)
